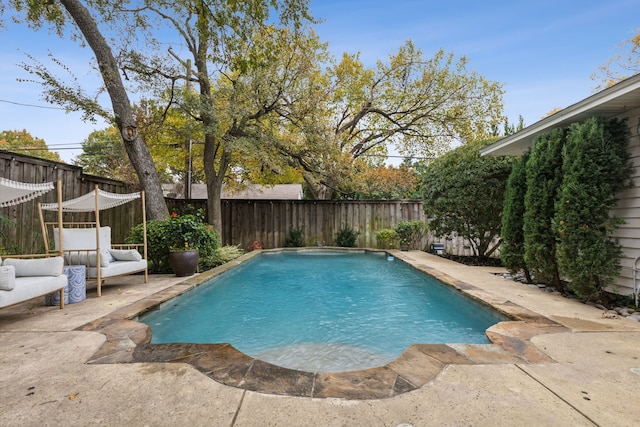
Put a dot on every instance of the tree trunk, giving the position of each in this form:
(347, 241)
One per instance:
(215, 180)
(137, 150)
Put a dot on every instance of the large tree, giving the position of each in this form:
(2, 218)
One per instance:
(236, 67)
(417, 105)
(60, 13)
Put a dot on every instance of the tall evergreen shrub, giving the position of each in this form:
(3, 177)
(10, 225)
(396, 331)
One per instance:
(544, 178)
(512, 248)
(463, 194)
(596, 167)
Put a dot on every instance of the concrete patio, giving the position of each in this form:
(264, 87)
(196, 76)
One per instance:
(578, 368)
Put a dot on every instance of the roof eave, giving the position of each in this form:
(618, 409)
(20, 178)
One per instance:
(609, 102)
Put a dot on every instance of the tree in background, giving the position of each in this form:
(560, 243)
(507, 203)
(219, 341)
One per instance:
(237, 64)
(512, 248)
(596, 167)
(544, 179)
(416, 104)
(622, 65)
(174, 140)
(102, 154)
(22, 142)
(464, 193)
(507, 127)
(385, 183)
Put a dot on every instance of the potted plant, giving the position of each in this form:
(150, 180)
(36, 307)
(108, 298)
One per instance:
(184, 259)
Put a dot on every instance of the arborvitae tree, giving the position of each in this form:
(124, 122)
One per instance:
(596, 166)
(512, 248)
(544, 177)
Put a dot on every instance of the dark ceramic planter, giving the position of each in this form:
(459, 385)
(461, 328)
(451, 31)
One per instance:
(184, 263)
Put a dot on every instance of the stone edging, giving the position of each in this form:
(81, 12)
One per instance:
(128, 341)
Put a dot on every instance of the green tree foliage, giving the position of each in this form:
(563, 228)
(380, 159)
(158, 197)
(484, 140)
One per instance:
(384, 183)
(102, 154)
(512, 248)
(596, 166)
(238, 65)
(418, 105)
(544, 179)
(22, 142)
(174, 140)
(464, 193)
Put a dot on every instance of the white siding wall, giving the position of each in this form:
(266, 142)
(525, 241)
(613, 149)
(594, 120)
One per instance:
(628, 208)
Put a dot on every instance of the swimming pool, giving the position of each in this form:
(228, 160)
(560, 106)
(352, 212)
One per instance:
(322, 311)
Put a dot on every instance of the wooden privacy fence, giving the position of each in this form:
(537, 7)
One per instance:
(269, 221)
(244, 221)
(20, 229)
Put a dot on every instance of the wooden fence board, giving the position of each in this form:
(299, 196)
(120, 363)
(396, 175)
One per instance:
(269, 221)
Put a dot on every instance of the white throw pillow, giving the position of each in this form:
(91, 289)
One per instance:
(80, 258)
(7, 277)
(37, 267)
(126, 254)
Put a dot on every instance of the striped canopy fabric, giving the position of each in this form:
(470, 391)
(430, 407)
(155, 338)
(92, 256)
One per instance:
(14, 192)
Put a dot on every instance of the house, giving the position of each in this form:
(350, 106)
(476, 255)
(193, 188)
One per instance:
(620, 101)
(252, 192)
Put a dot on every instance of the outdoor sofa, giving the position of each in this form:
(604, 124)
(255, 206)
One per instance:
(24, 279)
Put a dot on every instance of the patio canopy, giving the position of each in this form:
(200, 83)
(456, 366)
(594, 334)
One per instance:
(14, 192)
(96, 200)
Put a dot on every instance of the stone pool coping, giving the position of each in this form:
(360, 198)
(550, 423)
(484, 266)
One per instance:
(128, 341)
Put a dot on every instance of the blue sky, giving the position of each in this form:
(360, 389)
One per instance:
(543, 52)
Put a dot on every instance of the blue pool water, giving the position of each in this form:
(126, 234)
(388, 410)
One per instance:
(322, 311)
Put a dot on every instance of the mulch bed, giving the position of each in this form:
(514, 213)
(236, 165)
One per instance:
(474, 260)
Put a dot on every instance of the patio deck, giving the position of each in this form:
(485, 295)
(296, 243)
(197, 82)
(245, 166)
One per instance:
(585, 369)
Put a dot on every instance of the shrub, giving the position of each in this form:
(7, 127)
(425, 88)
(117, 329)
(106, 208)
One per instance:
(544, 179)
(295, 237)
(512, 248)
(178, 232)
(221, 256)
(347, 237)
(595, 168)
(411, 233)
(386, 238)
(463, 193)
